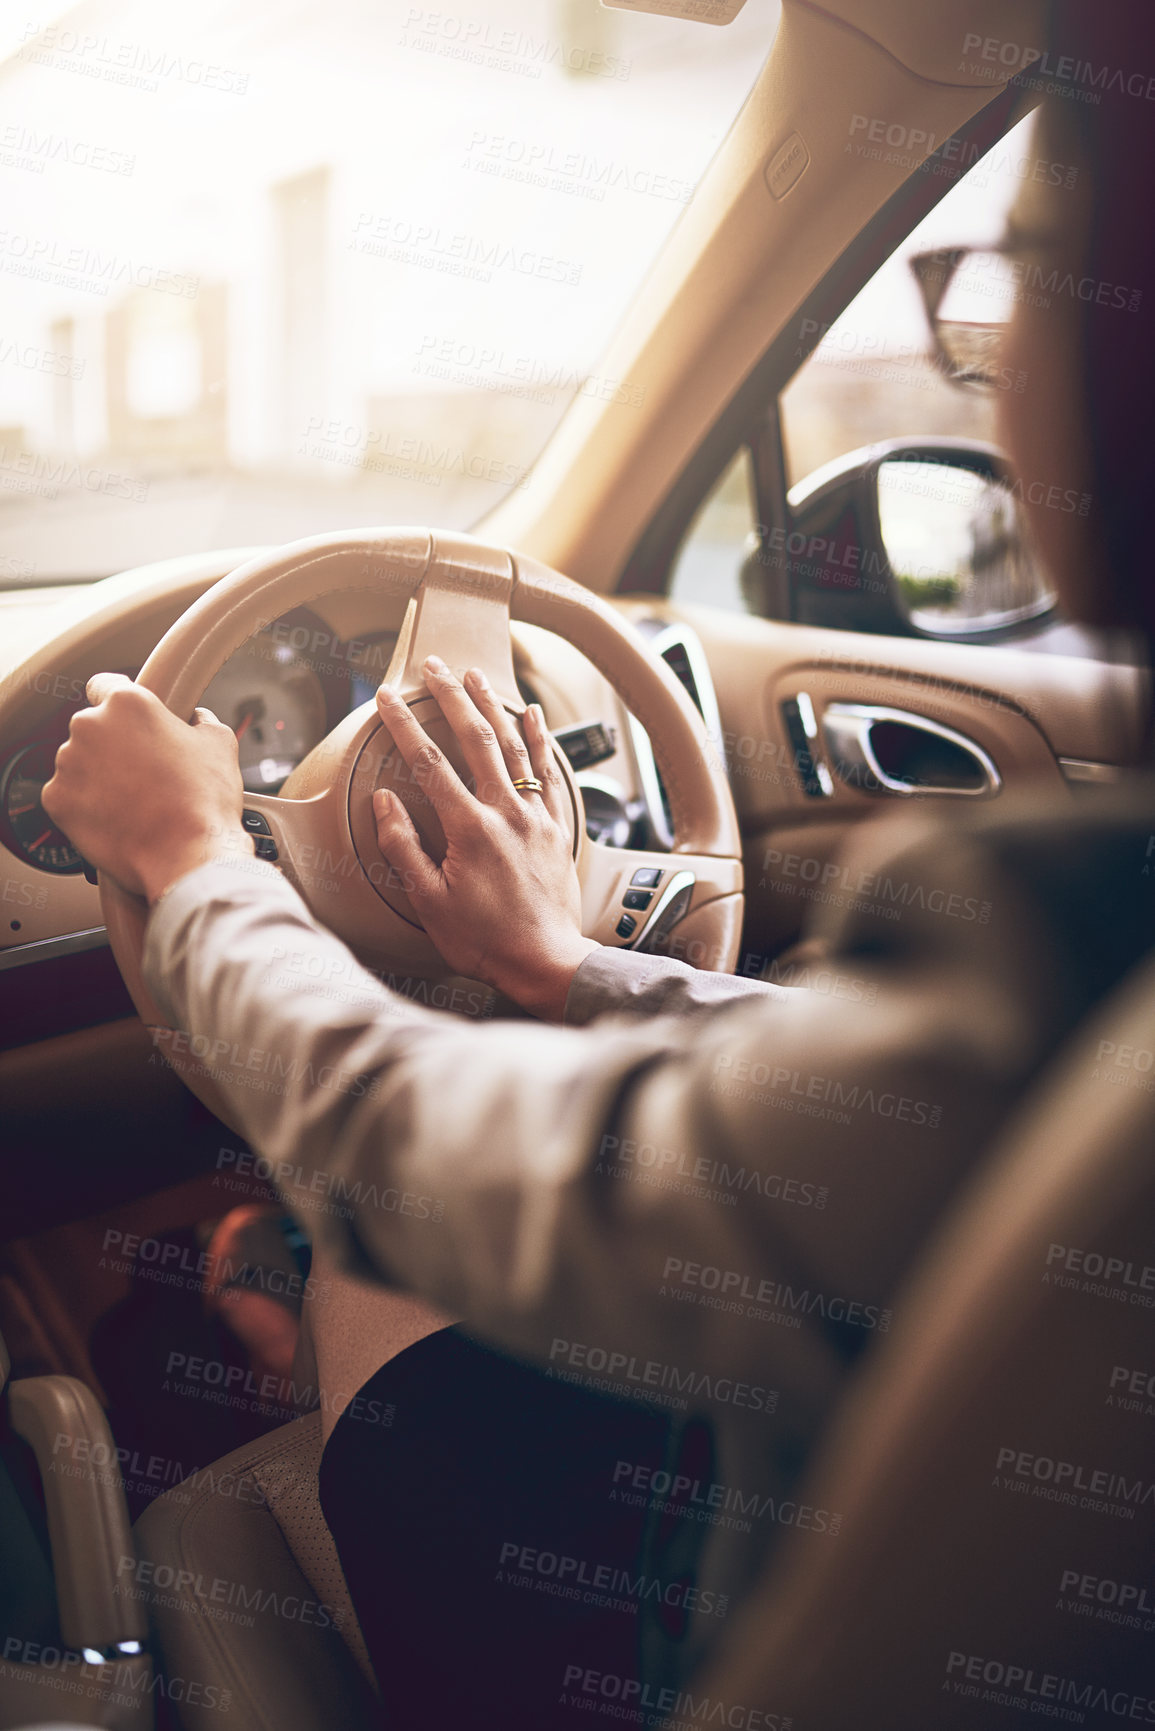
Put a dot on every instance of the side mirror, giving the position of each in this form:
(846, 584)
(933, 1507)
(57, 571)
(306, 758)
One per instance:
(915, 538)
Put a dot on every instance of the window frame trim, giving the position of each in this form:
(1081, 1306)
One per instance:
(649, 566)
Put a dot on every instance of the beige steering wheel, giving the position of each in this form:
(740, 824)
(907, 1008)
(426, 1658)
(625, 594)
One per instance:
(461, 597)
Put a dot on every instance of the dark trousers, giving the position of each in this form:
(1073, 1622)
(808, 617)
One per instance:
(477, 1507)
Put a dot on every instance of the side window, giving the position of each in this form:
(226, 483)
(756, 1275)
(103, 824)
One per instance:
(938, 521)
(870, 377)
(708, 564)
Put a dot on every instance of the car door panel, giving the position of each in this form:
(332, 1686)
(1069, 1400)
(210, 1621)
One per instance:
(1047, 722)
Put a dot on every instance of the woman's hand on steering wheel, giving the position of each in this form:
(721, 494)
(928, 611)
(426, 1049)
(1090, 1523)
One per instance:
(504, 905)
(141, 794)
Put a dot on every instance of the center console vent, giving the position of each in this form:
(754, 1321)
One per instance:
(681, 649)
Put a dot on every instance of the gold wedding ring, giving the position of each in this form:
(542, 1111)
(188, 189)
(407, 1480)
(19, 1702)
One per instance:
(527, 783)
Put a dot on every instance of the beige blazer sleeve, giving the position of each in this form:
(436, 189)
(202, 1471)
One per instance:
(624, 982)
(728, 1194)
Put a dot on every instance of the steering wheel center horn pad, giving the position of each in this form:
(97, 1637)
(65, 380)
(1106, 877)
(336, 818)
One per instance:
(460, 597)
(380, 764)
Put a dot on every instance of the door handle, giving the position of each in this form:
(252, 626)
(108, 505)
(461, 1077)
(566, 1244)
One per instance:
(894, 751)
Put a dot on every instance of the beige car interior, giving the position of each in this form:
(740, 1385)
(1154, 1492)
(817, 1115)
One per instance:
(535, 597)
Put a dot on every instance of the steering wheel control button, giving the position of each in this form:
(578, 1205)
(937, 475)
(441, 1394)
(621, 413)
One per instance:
(266, 847)
(256, 822)
(637, 898)
(626, 926)
(588, 744)
(671, 906)
(648, 878)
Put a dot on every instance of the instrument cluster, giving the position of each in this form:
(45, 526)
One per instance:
(281, 693)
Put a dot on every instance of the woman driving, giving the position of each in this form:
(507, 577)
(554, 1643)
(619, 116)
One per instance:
(569, 1334)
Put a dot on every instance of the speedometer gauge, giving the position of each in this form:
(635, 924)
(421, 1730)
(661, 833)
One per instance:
(275, 704)
(34, 833)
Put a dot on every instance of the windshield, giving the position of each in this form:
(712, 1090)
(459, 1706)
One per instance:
(275, 268)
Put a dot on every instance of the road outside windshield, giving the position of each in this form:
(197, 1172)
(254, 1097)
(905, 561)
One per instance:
(267, 270)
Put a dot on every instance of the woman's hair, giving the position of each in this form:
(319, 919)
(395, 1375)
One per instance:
(1102, 116)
